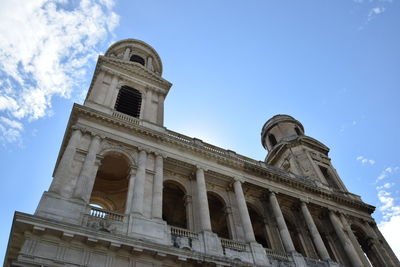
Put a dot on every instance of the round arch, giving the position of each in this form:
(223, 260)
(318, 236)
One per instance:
(218, 215)
(111, 183)
(174, 207)
(259, 228)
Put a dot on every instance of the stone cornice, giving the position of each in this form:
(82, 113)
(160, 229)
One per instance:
(137, 69)
(224, 157)
(130, 67)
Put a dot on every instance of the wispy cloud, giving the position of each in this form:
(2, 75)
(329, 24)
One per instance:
(364, 160)
(386, 172)
(45, 47)
(375, 12)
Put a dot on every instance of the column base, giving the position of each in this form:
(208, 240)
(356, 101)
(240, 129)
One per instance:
(58, 208)
(212, 243)
(153, 230)
(298, 259)
(259, 254)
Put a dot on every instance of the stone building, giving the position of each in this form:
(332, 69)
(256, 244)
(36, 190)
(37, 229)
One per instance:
(129, 192)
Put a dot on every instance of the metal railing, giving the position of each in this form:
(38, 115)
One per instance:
(177, 231)
(279, 255)
(232, 244)
(105, 214)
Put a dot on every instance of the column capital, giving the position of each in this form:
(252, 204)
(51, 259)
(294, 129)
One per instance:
(160, 154)
(76, 128)
(187, 199)
(98, 160)
(201, 167)
(238, 179)
(228, 210)
(304, 200)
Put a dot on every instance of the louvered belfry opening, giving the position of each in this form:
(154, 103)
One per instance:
(129, 101)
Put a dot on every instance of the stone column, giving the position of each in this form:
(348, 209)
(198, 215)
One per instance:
(283, 230)
(160, 111)
(354, 241)
(189, 211)
(156, 210)
(126, 53)
(316, 237)
(347, 246)
(204, 212)
(112, 93)
(129, 195)
(138, 189)
(243, 211)
(148, 102)
(87, 176)
(65, 164)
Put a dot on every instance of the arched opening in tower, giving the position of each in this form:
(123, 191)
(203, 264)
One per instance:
(111, 183)
(259, 229)
(272, 140)
(173, 209)
(137, 59)
(218, 215)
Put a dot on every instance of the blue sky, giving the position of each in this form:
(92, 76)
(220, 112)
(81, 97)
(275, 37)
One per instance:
(333, 65)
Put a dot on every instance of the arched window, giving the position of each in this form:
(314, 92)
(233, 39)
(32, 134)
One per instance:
(272, 139)
(173, 209)
(258, 227)
(218, 216)
(129, 101)
(297, 131)
(138, 59)
(111, 183)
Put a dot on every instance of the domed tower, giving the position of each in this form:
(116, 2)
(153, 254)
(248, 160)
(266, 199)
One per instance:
(291, 150)
(127, 81)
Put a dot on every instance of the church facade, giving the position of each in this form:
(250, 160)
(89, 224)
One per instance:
(126, 191)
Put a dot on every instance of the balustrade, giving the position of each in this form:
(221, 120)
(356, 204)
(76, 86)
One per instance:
(232, 244)
(279, 255)
(105, 214)
(177, 231)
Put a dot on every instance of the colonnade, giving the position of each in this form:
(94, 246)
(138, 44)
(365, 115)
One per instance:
(136, 189)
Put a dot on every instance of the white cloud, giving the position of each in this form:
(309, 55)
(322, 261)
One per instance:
(386, 172)
(385, 186)
(375, 12)
(390, 230)
(364, 160)
(45, 47)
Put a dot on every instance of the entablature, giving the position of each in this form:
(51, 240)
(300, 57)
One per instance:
(220, 162)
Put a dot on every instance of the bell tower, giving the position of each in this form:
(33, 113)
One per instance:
(126, 89)
(127, 80)
(291, 150)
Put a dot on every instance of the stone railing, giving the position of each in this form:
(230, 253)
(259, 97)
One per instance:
(105, 214)
(126, 117)
(231, 154)
(177, 231)
(231, 244)
(315, 263)
(279, 255)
